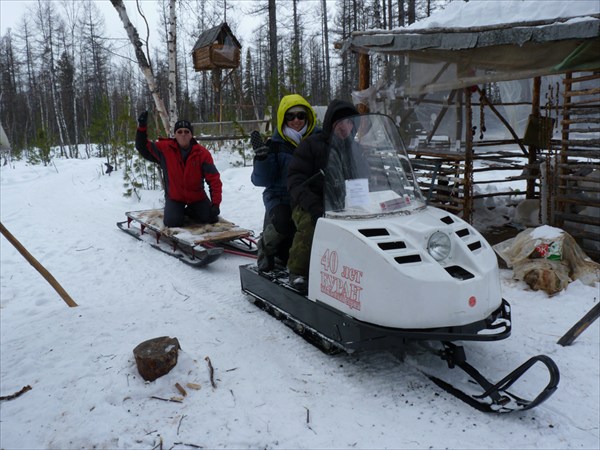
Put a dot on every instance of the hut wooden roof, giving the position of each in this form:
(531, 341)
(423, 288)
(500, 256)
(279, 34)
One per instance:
(213, 34)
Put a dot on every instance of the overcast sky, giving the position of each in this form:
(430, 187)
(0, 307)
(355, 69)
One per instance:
(11, 12)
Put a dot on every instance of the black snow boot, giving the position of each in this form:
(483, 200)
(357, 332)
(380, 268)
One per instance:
(268, 247)
(264, 261)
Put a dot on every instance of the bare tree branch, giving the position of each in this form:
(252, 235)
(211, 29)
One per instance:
(143, 63)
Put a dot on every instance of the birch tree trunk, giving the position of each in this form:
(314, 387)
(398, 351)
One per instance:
(71, 10)
(32, 83)
(143, 63)
(46, 16)
(273, 86)
(172, 46)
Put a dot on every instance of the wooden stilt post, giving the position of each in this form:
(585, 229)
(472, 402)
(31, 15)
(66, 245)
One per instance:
(364, 75)
(468, 205)
(533, 151)
(35, 263)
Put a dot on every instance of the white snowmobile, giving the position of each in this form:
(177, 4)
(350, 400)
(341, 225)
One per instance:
(387, 268)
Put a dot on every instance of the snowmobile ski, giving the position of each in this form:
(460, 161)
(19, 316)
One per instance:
(496, 398)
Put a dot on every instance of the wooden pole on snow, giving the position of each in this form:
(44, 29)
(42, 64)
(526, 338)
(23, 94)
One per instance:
(35, 263)
(580, 326)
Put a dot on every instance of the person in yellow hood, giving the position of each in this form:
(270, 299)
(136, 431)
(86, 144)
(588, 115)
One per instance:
(296, 120)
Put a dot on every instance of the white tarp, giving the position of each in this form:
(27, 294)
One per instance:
(4, 144)
(547, 259)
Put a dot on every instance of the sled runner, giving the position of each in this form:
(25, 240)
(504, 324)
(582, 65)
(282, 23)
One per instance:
(194, 244)
(387, 269)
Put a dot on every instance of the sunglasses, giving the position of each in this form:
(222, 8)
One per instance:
(181, 131)
(291, 116)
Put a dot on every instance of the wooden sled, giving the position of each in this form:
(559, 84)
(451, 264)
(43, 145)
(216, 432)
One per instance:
(194, 244)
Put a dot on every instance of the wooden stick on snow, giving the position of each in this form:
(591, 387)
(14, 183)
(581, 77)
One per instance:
(35, 263)
(16, 394)
(580, 326)
(211, 371)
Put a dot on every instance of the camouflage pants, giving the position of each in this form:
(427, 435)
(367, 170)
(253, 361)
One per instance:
(299, 259)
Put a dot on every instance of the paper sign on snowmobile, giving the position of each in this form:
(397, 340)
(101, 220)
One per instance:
(386, 268)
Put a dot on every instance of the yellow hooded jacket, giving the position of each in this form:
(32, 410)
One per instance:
(286, 103)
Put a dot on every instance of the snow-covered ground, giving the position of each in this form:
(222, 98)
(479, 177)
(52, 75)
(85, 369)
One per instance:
(273, 389)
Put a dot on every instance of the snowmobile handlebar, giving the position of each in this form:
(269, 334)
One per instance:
(313, 178)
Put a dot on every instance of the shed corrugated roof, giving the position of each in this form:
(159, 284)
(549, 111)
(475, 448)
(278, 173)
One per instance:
(403, 40)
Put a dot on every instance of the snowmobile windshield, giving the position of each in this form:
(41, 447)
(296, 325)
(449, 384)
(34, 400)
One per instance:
(368, 172)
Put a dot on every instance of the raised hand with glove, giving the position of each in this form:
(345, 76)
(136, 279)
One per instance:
(261, 149)
(143, 119)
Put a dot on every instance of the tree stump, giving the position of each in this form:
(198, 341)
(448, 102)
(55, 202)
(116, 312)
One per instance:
(156, 357)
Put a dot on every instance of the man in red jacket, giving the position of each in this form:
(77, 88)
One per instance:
(185, 165)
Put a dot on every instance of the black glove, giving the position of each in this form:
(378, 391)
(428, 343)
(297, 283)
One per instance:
(256, 140)
(143, 119)
(214, 211)
(261, 150)
(261, 153)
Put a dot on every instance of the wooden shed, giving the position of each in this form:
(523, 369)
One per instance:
(216, 48)
(442, 94)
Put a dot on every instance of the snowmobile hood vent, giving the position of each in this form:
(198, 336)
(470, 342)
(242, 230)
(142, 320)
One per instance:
(374, 232)
(408, 259)
(447, 220)
(459, 273)
(462, 233)
(474, 246)
(395, 245)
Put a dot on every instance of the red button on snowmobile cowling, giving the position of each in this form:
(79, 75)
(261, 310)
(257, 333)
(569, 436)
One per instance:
(472, 301)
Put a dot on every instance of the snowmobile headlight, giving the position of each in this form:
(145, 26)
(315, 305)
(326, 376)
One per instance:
(439, 246)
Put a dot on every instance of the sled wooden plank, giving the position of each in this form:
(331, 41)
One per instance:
(191, 234)
(580, 326)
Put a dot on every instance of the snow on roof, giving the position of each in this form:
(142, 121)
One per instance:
(478, 13)
(481, 24)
